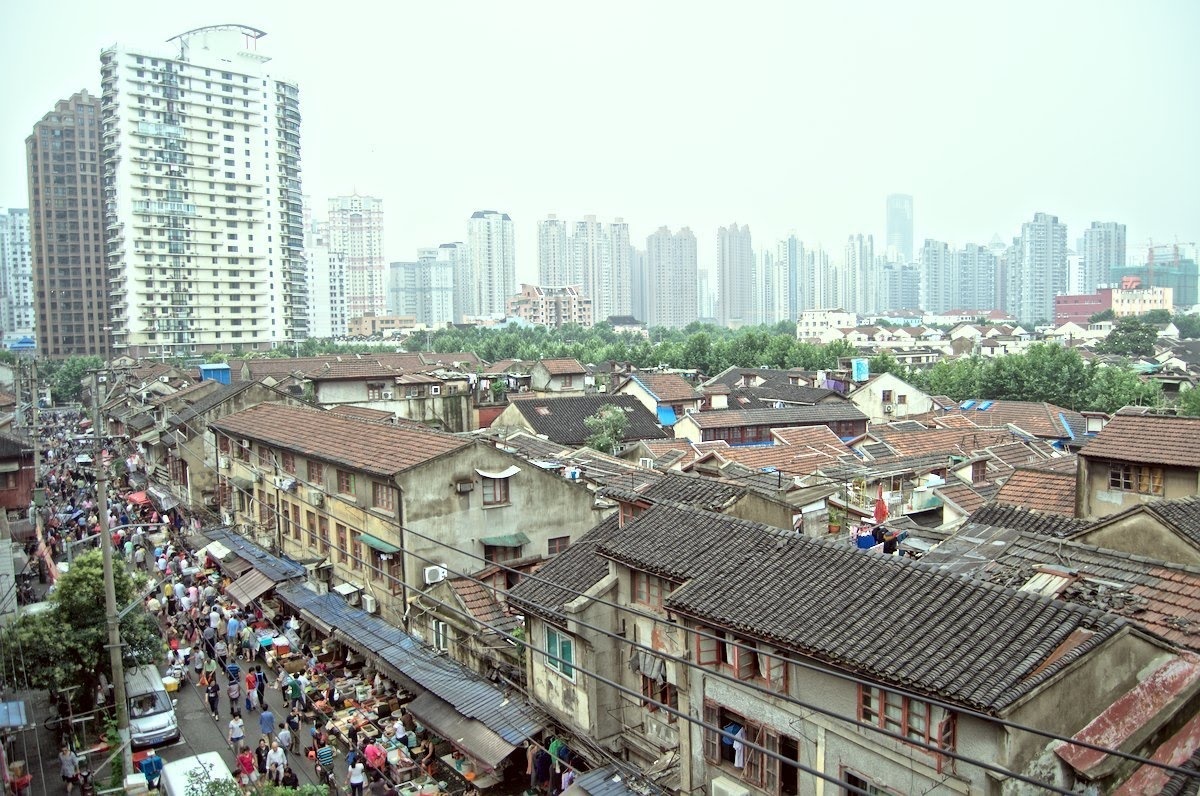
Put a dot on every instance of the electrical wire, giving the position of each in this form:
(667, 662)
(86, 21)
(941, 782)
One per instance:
(275, 512)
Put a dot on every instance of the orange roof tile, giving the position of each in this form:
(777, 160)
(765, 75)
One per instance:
(1040, 490)
(1148, 439)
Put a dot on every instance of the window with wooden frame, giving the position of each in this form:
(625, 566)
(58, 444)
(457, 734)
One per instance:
(375, 390)
(887, 396)
(223, 444)
(323, 534)
(343, 549)
(912, 718)
(311, 525)
(356, 552)
(315, 474)
(295, 522)
(1135, 478)
(345, 482)
(263, 456)
(773, 669)
(289, 462)
(498, 554)
(383, 496)
(243, 451)
(495, 491)
(558, 544)
(264, 508)
(650, 590)
(395, 575)
(657, 694)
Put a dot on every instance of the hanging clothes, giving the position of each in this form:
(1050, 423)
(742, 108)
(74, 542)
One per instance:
(739, 749)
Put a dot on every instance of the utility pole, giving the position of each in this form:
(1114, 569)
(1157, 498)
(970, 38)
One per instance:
(115, 650)
(39, 491)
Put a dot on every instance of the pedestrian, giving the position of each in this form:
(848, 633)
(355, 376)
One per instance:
(221, 652)
(289, 779)
(261, 685)
(251, 691)
(266, 722)
(235, 695)
(379, 786)
(260, 756)
(68, 761)
(237, 729)
(247, 769)
(213, 692)
(357, 777)
(286, 738)
(295, 692)
(293, 726)
(276, 762)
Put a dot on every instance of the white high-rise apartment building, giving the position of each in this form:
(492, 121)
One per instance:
(493, 263)
(556, 265)
(772, 288)
(458, 257)
(356, 230)
(1103, 253)
(424, 289)
(16, 277)
(672, 278)
(326, 284)
(939, 277)
(860, 277)
(790, 254)
(601, 261)
(1038, 270)
(203, 208)
(900, 228)
(736, 279)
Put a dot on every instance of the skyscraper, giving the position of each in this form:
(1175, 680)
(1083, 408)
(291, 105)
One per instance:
(66, 230)
(771, 294)
(735, 277)
(458, 256)
(672, 276)
(860, 278)
(16, 276)
(203, 206)
(1038, 270)
(939, 282)
(356, 230)
(493, 263)
(900, 227)
(601, 260)
(1103, 253)
(423, 289)
(326, 283)
(976, 266)
(555, 263)
(790, 254)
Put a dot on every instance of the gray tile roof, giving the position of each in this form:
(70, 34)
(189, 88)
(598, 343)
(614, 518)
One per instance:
(798, 415)
(1020, 518)
(217, 396)
(884, 617)
(561, 579)
(562, 418)
(1182, 514)
(689, 490)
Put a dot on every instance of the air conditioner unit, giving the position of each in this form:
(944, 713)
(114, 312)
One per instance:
(463, 487)
(722, 786)
(388, 395)
(434, 575)
(888, 409)
(258, 477)
(316, 497)
(435, 390)
(165, 379)
(370, 604)
(223, 462)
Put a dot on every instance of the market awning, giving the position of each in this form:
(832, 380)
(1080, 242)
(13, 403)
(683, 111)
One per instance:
(218, 551)
(506, 540)
(14, 715)
(139, 499)
(375, 543)
(249, 587)
(507, 472)
(467, 735)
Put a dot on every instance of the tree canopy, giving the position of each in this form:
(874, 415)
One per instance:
(608, 429)
(1130, 338)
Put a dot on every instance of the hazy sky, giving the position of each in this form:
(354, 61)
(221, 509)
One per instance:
(783, 115)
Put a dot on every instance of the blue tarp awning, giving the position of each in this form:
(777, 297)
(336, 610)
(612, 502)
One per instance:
(666, 416)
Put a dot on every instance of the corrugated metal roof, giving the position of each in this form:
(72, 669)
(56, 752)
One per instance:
(249, 587)
(276, 568)
(511, 718)
(468, 735)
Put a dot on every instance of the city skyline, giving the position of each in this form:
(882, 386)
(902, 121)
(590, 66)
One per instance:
(969, 181)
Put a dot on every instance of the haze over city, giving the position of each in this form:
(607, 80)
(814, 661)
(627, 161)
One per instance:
(776, 115)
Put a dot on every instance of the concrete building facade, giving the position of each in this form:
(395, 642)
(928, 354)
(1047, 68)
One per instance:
(672, 278)
(356, 231)
(16, 277)
(493, 272)
(735, 277)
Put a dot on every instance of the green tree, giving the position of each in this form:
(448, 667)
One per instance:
(68, 644)
(1189, 402)
(608, 429)
(66, 384)
(1111, 388)
(200, 784)
(1103, 315)
(1130, 337)
(1188, 326)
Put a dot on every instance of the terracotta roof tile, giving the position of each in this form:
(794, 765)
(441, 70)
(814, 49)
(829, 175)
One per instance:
(940, 440)
(352, 369)
(363, 413)
(799, 415)
(965, 496)
(1148, 439)
(377, 449)
(562, 367)
(1041, 491)
(667, 387)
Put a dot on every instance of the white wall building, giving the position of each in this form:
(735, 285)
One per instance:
(1038, 270)
(1103, 253)
(326, 284)
(493, 263)
(672, 275)
(556, 266)
(16, 277)
(824, 323)
(356, 230)
(423, 289)
(736, 305)
(860, 274)
(201, 173)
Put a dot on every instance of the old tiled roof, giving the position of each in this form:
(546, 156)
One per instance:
(352, 369)
(816, 436)
(904, 623)
(1015, 454)
(939, 440)
(1181, 514)
(186, 394)
(963, 495)
(561, 418)
(569, 573)
(377, 449)
(1023, 519)
(12, 445)
(1041, 491)
(563, 367)
(466, 360)
(1040, 419)
(797, 415)
(785, 392)
(507, 366)
(791, 460)
(531, 447)
(481, 603)
(363, 413)
(666, 387)
(1148, 439)
(688, 490)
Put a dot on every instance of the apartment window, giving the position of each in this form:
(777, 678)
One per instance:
(902, 400)
(345, 482)
(498, 554)
(342, 548)
(495, 491)
(1135, 478)
(887, 396)
(356, 559)
(323, 534)
(383, 496)
(289, 463)
(650, 590)
(560, 652)
(296, 522)
(567, 380)
(657, 694)
(316, 474)
(557, 545)
(311, 524)
(441, 635)
(912, 718)
(374, 391)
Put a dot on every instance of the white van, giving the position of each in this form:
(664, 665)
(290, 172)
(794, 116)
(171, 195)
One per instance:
(178, 776)
(151, 710)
